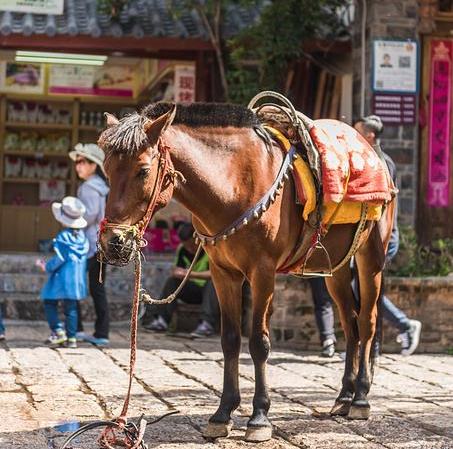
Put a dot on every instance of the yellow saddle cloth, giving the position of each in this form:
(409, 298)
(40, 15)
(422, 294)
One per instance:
(331, 212)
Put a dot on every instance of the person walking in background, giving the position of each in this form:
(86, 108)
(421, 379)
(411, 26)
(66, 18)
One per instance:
(67, 271)
(199, 289)
(409, 330)
(2, 326)
(324, 315)
(370, 128)
(89, 160)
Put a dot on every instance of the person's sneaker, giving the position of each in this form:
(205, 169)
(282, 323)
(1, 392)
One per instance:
(72, 342)
(2, 337)
(58, 338)
(410, 339)
(81, 336)
(157, 325)
(328, 348)
(204, 329)
(97, 341)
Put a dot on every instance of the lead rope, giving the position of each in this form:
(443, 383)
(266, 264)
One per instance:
(133, 434)
(146, 298)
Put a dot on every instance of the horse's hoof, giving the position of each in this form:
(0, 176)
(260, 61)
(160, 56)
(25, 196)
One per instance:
(359, 411)
(340, 408)
(217, 429)
(258, 434)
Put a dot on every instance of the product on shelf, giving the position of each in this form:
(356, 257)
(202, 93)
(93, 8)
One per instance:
(11, 142)
(13, 166)
(28, 141)
(28, 168)
(51, 190)
(43, 169)
(60, 170)
(31, 142)
(30, 112)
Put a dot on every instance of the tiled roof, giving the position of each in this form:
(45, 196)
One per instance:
(139, 18)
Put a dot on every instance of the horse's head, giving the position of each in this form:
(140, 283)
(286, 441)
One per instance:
(136, 165)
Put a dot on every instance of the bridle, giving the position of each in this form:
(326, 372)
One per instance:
(136, 231)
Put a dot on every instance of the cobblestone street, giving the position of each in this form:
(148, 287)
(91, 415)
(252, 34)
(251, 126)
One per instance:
(45, 393)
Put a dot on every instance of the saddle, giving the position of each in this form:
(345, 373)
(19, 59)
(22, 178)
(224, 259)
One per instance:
(339, 178)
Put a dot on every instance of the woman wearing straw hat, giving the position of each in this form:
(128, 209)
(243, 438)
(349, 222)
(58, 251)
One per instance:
(89, 160)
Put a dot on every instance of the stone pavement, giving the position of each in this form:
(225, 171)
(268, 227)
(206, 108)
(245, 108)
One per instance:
(45, 393)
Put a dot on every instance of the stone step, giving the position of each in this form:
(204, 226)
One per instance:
(24, 263)
(28, 306)
(19, 275)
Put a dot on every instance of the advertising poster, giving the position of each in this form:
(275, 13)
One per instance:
(21, 77)
(109, 81)
(395, 66)
(439, 141)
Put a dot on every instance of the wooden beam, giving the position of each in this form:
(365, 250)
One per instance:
(144, 47)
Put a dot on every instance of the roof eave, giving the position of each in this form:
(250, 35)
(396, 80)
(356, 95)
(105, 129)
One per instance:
(146, 46)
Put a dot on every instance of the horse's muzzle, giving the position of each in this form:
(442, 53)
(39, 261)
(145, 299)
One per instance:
(117, 248)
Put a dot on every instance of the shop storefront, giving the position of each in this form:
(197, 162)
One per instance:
(55, 85)
(47, 108)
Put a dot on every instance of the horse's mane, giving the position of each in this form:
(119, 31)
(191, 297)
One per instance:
(128, 137)
(206, 114)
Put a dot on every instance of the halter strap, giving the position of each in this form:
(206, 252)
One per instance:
(138, 229)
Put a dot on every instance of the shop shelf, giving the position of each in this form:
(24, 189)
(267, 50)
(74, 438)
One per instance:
(38, 125)
(31, 180)
(35, 154)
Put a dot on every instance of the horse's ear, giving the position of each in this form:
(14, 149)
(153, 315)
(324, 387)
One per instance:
(110, 119)
(154, 128)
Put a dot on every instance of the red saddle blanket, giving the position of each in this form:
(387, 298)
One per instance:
(351, 169)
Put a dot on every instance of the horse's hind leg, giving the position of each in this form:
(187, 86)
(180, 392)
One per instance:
(340, 289)
(229, 291)
(259, 427)
(369, 261)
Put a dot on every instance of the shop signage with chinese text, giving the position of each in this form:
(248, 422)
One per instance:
(184, 84)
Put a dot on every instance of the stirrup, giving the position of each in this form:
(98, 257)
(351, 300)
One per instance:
(322, 274)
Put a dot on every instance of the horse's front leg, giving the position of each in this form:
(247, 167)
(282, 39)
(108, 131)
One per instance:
(229, 291)
(259, 427)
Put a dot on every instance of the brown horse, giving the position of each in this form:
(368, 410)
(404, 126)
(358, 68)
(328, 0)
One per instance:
(226, 167)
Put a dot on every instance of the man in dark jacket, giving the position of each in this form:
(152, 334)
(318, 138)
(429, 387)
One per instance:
(370, 128)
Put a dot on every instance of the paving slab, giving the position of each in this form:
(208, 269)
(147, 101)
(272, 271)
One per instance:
(46, 393)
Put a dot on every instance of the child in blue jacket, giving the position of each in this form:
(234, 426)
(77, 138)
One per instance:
(67, 271)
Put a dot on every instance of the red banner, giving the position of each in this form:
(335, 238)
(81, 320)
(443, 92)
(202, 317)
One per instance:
(439, 142)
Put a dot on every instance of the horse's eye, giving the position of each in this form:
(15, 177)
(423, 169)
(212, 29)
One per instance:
(143, 173)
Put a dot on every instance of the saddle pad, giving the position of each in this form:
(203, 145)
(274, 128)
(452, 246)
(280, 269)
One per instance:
(351, 169)
(346, 212)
